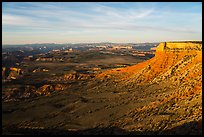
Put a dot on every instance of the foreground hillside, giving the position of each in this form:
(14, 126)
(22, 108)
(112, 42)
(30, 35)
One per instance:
(172, 80)
(160, 96)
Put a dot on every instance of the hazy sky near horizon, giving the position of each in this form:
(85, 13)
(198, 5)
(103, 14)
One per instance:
(77, 22)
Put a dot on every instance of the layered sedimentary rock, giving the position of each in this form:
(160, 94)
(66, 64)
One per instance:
(179, 46)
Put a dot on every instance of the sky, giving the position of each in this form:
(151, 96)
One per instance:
(88, 22)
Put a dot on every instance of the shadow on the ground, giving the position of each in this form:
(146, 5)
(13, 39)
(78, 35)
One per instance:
(194, 128)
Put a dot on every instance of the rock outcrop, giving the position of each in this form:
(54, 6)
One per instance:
(11, 73)
(29, 91)
(48, 89)
(76, 76)
(179, 46)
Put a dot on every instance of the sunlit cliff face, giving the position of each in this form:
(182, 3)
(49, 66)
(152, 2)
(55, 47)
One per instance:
(170, 56)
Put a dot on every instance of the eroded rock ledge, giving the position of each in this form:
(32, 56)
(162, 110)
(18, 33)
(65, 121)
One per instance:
(179, 46)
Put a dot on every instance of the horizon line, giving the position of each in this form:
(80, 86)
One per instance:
(103, 42)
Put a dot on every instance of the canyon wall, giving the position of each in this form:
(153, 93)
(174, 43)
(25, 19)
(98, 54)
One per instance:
(179, 46)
